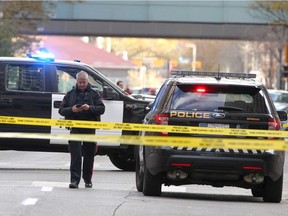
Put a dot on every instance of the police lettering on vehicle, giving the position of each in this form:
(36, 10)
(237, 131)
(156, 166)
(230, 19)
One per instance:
(189, 114)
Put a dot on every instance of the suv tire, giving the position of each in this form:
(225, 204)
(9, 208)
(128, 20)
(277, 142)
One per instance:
(122, 161)
(151, 184)
(273, 190)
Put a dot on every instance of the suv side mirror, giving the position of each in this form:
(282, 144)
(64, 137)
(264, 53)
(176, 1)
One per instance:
(109, 93)
(282, 115)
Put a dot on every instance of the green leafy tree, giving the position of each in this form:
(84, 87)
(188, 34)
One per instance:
(17, 17)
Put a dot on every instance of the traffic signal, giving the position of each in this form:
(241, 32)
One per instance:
(285, 71)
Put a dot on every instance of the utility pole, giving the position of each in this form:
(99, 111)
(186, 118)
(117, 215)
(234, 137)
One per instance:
(279, 71)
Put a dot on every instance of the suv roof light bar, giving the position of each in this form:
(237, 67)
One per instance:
(217, 75)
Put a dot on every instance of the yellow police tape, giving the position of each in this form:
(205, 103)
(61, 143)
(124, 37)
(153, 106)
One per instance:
(173, 141)
(154, 140)
(142, 127)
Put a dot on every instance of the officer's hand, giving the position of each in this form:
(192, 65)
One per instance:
(76, 109)
(85, 107)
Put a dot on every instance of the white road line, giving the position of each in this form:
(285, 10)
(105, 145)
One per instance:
(173, 189)
(47, 184)
(97, 186)
(29, 201)
(47, 189)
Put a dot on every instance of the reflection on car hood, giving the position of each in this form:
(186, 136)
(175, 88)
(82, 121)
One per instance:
(281, 106)
(144, 97)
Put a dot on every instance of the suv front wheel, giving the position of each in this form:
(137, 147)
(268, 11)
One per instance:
(139, 172)
(122, 160)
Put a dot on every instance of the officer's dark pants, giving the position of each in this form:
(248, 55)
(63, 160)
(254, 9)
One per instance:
(89, 151)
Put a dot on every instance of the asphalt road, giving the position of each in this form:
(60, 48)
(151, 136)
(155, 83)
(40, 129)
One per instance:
(34, 183)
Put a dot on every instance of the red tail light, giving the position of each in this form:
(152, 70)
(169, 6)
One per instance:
(251, 168)
(181, 164)
(162, 119)
(200, 90)
(273, 124)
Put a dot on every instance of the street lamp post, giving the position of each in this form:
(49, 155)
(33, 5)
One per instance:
(194, 52)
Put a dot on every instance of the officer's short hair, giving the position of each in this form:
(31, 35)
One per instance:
(82, 74)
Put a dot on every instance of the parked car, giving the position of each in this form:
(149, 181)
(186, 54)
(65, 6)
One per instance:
(145, 90)
(220, 100)
(34, 87)
(280, 99)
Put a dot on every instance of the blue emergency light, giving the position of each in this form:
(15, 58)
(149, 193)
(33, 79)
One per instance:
(42, 55)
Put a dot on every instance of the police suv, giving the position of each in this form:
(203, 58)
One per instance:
(215, 100)
(34, 87)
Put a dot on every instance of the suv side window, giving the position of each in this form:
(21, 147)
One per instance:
(22, 77)
(67, 79)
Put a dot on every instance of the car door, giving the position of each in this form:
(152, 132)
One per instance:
(66, 79)
(24, 94)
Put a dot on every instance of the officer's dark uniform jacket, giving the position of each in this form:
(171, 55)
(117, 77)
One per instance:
(90, 97)
(96, 108)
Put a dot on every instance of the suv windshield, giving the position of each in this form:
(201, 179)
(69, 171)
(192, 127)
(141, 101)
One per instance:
(215, 98)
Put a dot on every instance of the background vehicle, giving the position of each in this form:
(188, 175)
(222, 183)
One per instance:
(280, 99)
(145, 90)
(35, 87)
(212, 100)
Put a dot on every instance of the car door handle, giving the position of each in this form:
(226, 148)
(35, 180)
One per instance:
(6, 101)
(57, 104)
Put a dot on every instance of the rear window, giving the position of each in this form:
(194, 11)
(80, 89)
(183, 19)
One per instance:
(214, 98)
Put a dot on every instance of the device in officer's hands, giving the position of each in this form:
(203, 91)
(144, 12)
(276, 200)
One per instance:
(78, 105)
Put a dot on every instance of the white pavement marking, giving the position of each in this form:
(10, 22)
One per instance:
(29, 201)
(97, 186)
(173, 189)
(49, 184)
(47, 189)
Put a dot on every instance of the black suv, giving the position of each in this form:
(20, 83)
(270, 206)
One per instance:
(34, 87)
(211, 99)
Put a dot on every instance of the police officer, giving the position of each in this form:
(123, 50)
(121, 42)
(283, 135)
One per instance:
(120, 84)
(82, 103)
